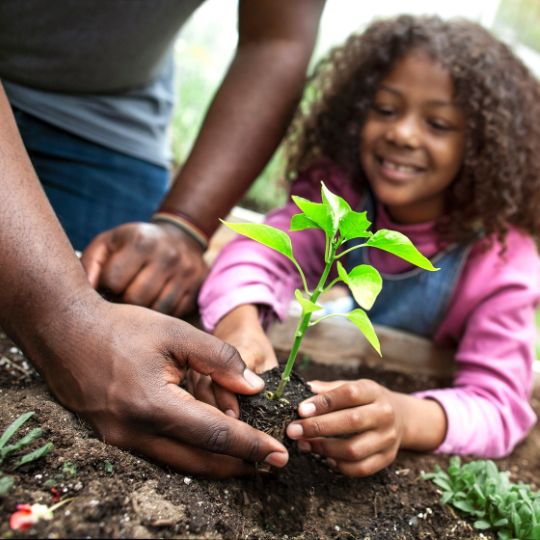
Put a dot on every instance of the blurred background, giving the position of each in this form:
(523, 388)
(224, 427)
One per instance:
(206, 44)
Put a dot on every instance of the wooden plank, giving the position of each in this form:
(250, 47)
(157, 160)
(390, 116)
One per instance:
(338, 340)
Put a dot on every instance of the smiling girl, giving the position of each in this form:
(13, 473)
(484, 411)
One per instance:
(433, 128)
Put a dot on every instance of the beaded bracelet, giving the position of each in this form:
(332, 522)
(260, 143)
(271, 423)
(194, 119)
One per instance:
(178, 219)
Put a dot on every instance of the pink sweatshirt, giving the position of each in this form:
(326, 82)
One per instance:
(490, 320)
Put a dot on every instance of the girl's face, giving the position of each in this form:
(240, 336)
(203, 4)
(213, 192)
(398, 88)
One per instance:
(413, 139)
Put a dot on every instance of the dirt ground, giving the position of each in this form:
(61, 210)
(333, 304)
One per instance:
(118, 495)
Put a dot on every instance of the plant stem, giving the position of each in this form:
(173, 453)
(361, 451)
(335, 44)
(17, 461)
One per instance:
(303, 324)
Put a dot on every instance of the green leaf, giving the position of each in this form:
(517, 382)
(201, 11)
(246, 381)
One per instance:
(355, 225)
(21, 443)
(360, 319)
(299, 222)
(6, 483)
(399, 245)
(307, 305)
(337, 207)
(36, 454)
(14, 427)
(482, 524)
(316, 212)
(265, 234)
(364, 281)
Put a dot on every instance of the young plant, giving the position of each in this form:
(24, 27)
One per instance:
(340, 224)
(480, 490)
(7, 449)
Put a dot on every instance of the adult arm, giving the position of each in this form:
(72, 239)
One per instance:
(117, 366)
(160, 266)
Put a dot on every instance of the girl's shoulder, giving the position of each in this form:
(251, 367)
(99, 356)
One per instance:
(495, 265)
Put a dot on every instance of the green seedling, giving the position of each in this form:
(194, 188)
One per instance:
(480, 490)
(7, 449)
(69, 469)
(340, 224)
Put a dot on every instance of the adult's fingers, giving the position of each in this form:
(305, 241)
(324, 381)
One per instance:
(94, 258)
(178, 416)
(170, 296)
(188, 459)
(348, 394)
(344, 422)
(121, 268)
(146, 286)
(209, 355)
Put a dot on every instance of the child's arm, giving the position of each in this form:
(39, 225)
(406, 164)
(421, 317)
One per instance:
(492, 318)
(376, 421)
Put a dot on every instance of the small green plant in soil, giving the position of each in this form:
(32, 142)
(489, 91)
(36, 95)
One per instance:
(340, 224)
(6, 450)
(478, 489)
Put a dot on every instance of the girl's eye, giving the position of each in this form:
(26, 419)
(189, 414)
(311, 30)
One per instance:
(383, 110)
(439, 125)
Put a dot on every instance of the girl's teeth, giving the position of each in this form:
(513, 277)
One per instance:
(401, 168)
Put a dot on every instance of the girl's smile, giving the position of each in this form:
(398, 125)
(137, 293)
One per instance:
(412, 141)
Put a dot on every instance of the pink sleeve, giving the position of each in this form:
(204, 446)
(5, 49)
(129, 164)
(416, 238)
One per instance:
(492, 317)
(246, 272)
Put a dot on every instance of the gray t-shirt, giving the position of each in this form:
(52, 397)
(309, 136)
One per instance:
(101, 70)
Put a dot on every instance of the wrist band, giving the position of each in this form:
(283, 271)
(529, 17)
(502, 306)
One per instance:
(166, 216)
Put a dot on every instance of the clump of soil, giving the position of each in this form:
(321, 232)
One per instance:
(273, 415)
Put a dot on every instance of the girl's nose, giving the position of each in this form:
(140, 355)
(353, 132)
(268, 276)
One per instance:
(404, 132)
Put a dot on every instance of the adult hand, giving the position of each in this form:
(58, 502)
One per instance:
(123, 372)
(362, 410)
(241, 329)
(147, 264)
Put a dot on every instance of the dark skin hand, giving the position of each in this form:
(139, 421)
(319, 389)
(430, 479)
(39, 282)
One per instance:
(159, 266)
(117, 366)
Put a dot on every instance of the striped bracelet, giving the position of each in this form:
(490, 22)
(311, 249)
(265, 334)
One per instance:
(175, 218)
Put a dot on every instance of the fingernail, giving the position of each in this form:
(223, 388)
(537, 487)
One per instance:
(304, 446)
(253, 380)
(306, 409)
(331, 462)
(231, 413)
(295, 431)
(276, 459)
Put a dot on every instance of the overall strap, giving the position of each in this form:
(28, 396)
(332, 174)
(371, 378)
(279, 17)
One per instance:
(414, 301)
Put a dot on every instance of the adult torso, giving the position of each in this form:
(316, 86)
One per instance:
(87, 46)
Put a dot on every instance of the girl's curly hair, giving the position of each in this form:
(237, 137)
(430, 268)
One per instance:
(499, 181)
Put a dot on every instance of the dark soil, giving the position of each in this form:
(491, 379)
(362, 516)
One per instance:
(116, 494)
(274, 415)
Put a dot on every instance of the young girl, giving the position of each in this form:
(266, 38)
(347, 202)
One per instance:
(433, 128)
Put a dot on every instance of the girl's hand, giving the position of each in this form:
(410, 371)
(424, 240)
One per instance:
(364, 411)
(241, 329)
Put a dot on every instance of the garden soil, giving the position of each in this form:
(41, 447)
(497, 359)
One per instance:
(119, 495)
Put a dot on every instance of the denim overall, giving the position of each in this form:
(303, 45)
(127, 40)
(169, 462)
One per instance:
(417, 300)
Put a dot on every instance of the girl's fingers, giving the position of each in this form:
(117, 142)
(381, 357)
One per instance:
(324, 386)
(366, 467)
(343, 422)
(357, 448)
(346, 395)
